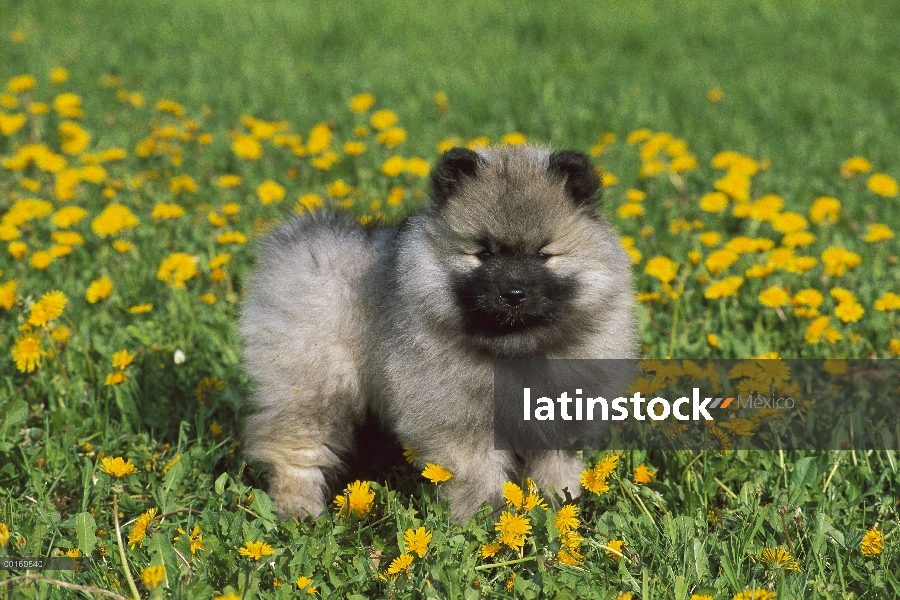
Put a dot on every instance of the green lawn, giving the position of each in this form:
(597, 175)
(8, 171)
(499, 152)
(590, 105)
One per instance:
(804, 86)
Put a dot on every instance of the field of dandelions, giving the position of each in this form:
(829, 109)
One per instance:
(128, 219)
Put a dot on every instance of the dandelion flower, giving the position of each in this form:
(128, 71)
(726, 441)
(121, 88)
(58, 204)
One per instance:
(824, 209)
(167, 210)
(401, 563)
(270, 191)
(383, 119)
(122, 359)
(514, 496)
(417, 541)
(514, 530)
(566, 518)
(113, 219)
(489, 550)
(360, 103)
(256, 550)
(304, 582)
(436, 473)
(643, 475)
(615, 549)
(853, 165)
(878, 232)
(417, 166)
(755, 594)
(116, 378)
(117, 467)
(889, 301)
(358, 499)
(8, 294)
(231, 237)
(712, 339)
(661, 267)
(714, 202)
(724, 288)
(27, 353)
(513, 139)
(139, 529)
(884, 185)
(152, 576)
(99, 289)
(838, 260)
(773, 297)
(177, 268)
(849, 312)
(49, 307)
(391, 137)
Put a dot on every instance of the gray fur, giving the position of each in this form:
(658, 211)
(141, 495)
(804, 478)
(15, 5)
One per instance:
(341, 320)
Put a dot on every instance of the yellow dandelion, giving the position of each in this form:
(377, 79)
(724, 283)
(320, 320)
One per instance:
(256, 550)
(513, 139)
(884, 185)
(662, 268)
(417, 541)
(354, 148)
(489, 550)
(99, 289)
(853, 165)
(878, 232)
(152, 576)
(401, 563)
(849, 312)
(27, 353)
(113, 219)
(436, 473)
(514, 496)
(393, 166)
(270, 191)
(140, 309)
(304, 582)
(177, 268)
(117, 467)
(566, 518)
(383, 119)
(122, 359)
(139, 529)
(514, 530)
(357, 499)
(643, 475)
(615, 549)
(773, 297)
(724, 288)
(825, 209)
(116, 378)
(167, 210)
(888, 301)
(49, 307)
(246, 147)
(712, 339)
(755, 594)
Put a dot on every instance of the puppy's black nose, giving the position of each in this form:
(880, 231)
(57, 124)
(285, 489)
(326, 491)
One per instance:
(513, 296)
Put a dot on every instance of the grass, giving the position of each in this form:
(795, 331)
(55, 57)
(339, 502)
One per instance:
(805, 86)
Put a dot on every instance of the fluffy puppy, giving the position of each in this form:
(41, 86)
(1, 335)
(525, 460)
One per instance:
(511, 259)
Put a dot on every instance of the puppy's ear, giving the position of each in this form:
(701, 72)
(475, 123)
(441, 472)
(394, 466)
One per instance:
(454, 165)
(582, 181)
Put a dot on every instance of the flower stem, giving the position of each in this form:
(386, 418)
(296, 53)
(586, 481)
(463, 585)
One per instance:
(128, 576)
(505, 563)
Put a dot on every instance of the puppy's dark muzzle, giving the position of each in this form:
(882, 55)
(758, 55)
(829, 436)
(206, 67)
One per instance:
(513, 297)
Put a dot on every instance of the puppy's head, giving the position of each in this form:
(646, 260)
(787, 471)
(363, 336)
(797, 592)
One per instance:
(513, 255)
